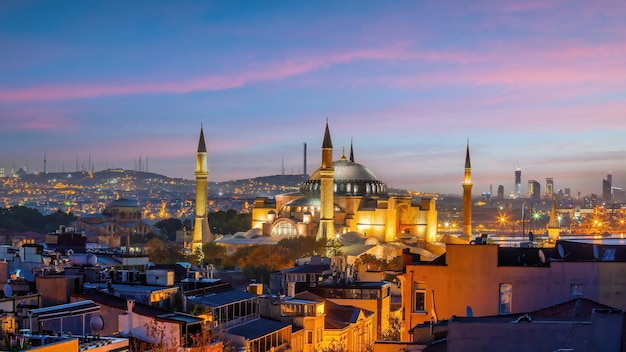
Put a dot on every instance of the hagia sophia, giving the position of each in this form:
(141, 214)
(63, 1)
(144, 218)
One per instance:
(344, 200)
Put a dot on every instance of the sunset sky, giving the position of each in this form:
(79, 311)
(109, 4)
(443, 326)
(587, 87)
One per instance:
(537, 84)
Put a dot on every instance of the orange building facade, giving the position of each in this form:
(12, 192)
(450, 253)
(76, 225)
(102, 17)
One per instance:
(484, 280)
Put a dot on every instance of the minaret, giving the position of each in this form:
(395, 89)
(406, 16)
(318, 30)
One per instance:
(44, 164)
(467, 198)
(201, 229)
(554, 228)
(327, 179)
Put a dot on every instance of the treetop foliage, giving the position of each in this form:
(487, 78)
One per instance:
(22, 219)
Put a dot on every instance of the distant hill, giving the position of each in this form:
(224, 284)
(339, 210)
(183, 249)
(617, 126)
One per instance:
(139, 180)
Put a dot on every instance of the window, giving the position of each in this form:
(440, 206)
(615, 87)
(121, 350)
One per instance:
(309, 338)
(506, 294)
(284, 229)
(576, 291)
(419, 296)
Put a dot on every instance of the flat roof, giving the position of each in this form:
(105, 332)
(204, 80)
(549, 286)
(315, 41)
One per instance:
(223, 298)
(357, 284)
(64, 310)
(257, 328)
(185, 318)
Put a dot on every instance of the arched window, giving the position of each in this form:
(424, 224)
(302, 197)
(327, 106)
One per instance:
(284, 229)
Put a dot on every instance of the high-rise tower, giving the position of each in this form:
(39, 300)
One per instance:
(549, 187)
(607, 188)
(518, 183)
(201, 229)
(467, 198)
(327, 176)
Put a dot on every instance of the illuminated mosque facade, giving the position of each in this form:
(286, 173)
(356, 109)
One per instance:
(362, 210)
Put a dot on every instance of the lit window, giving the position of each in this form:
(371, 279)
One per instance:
(419, 296)
(506, 294)
(576, 291)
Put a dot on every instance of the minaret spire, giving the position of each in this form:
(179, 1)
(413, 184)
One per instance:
(467, 197)
(468, 165)
(351, 151)
(201, 144)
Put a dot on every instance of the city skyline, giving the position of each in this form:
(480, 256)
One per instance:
(535, 85)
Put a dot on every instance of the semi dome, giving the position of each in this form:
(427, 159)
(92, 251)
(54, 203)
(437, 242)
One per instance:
(350, 238)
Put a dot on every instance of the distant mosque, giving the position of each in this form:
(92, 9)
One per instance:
(345, 201)
(120, 219)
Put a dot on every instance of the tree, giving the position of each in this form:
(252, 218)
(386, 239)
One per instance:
(229, 221)
(169, 227)
(394, 330)
(375, 263)
(214, 253)
(20, 218)
(160, 253)
(335, 346)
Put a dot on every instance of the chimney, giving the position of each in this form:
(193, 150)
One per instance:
(305, 158)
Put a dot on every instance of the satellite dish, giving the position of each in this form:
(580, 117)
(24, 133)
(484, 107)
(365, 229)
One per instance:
(28, 275)
(96, 323)
(469, 312)
(596, 255)
(561, 250)
(542, 256)
(8, 290)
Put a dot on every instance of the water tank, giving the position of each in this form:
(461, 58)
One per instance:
(82, 259)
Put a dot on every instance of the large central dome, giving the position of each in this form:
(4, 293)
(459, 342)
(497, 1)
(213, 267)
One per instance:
(350, 178)
(346, 170)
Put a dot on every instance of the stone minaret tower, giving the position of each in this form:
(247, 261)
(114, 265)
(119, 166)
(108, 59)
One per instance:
(327, 180)
(467, 198)
(201, 229)
(554, 230)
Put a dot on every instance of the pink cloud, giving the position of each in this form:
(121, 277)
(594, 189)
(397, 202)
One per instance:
(36, 119)
(273, 71)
